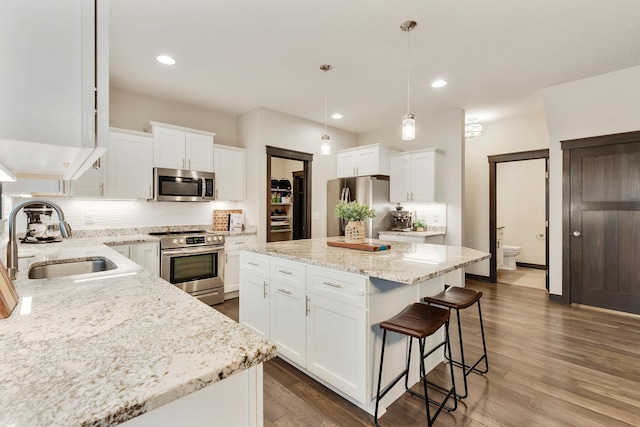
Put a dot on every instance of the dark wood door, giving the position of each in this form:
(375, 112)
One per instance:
(605, 226)
(299, 206)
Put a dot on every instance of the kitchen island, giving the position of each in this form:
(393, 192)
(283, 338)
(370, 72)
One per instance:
(104, 348)
(321, 306)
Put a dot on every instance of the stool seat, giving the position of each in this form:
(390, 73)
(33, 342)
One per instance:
(417, 320)
(455, 297)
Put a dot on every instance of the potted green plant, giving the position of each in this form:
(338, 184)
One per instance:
(354, 213)
(419, 225)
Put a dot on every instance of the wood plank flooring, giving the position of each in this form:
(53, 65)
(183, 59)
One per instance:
(523, 276)
(550, 365)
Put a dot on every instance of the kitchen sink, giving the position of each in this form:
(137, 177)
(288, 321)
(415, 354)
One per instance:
(70, 267)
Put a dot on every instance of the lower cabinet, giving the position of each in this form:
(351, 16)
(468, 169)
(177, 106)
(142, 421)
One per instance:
(145, 254)
(254, 303)
(232, 247)
(316, 317)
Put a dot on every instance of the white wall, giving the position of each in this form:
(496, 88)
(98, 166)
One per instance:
(263, 127)
(83, 214)
(600, 105)
(131, 110)
(443, 131)
(513, 135)
(520, 207)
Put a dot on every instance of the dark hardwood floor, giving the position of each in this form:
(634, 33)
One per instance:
(550, 365)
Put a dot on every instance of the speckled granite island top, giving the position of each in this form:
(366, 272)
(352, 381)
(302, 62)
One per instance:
(408, 263)
(99, 352)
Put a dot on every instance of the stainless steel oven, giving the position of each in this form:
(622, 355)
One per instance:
(194, 262)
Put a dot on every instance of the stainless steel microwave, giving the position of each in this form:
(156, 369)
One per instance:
(178, 185)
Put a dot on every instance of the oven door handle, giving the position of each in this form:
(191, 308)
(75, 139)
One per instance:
(194, 251)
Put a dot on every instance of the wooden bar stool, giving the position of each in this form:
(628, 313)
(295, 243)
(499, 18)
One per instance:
(418, 321)
(458, 298)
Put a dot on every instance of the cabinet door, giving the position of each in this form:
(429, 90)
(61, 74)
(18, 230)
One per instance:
(399, 179)
(91, 182)
(148, 256)
(129, 167)
(168, 148)
(124, 250)
(336, 345)
(199, 152)
(232, 248)
(288, 322)
(229, 168)
(346, 164)
(254, 303)
(367, 162)
(423, 177)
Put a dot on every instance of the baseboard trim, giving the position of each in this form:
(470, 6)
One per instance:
(527, 265)
(477, 277)
(556, 298)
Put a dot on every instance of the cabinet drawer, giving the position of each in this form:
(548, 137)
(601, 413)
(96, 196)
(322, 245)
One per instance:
(344, 287)
(237, 243)
(255, 263)
(287, 273)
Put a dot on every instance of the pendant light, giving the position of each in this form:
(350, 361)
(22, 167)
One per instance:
(325, 148)
(409, 122)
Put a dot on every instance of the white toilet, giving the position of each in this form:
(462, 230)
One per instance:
(509, 259)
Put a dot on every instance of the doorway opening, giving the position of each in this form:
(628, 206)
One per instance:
(494, 161)
(288, 194)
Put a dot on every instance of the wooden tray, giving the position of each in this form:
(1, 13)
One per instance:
(371, 247)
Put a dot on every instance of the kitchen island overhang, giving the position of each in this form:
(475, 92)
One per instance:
(321, 305)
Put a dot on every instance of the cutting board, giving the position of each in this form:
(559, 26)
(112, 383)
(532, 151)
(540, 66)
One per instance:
(371, 247)
(221, 219)
(8, 294)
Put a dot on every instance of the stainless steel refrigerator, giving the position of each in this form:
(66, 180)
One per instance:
(370, 190)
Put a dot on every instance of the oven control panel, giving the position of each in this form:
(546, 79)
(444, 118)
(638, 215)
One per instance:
(193, 240)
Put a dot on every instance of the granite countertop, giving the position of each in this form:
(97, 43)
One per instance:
(100, 352)
(408, 263)
(428, 233)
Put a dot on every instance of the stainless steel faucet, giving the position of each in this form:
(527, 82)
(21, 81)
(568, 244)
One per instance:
(12, 246)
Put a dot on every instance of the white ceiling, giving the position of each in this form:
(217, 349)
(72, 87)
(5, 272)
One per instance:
(235, 55)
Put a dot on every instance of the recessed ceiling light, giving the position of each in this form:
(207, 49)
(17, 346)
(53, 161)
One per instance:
(336, 116)
(164, 59)
(439, 83)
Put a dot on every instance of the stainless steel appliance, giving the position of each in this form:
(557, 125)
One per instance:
(402, 220)
(37, 231)
(369, 190)
(194, 262)
(178, 185)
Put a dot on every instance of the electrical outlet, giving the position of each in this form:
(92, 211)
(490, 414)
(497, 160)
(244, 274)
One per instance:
(316, 216)
(88, 219)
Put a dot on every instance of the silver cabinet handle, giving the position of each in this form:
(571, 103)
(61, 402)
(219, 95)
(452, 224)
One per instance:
(308, 307)
(264, 290)
(576, 233)
(226, 257)
(284, 291)
(102, 189)
(333, 285)
(408, 197)
(255, 264)
(288, 273)
(238, 243)
(189, 164)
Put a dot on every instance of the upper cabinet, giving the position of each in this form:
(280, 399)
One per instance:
(228, 165)
(175, 147)
(125, 172)
(412, 176)
(363, 161)
(55, 86)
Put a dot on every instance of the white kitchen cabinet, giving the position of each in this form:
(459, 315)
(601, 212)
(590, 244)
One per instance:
(232, 247)
(254, 292)
(228, 165)
(147, 255)
(54, 106)
(336, 345)
(175, 147)
(129, 165)
(288, 310)
(412, 237)
(124, 172)
(363, 161)
(413, 176)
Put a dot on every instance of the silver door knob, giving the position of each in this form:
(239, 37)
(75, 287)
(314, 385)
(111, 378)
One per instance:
(576, 233)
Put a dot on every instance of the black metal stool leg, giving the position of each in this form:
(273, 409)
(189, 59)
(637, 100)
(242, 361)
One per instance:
(378, 397)
(484, 345)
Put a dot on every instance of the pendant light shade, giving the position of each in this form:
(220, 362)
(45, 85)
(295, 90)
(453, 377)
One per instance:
(409, 122)
(408, 128)
(325, 148)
